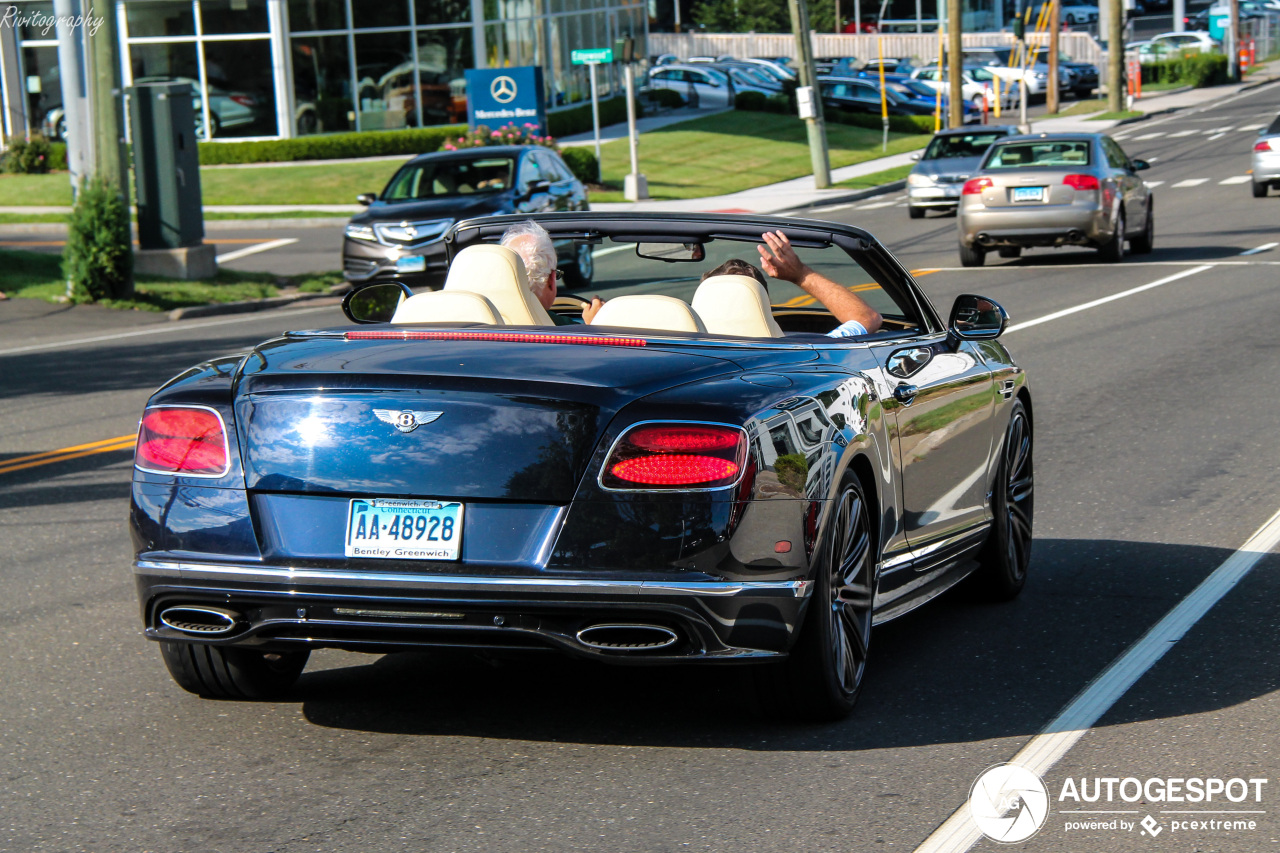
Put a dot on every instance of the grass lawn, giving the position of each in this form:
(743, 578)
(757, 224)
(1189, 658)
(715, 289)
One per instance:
(38, 275)
(875, 179)
(736, 151)
(1080, 108)
(1123, 114)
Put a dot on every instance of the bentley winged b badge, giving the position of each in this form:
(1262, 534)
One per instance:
(406, 421)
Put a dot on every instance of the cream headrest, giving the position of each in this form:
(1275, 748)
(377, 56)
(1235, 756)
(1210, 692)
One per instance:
(735, 305)
(649, 311)
(452, 306)
(497, 273)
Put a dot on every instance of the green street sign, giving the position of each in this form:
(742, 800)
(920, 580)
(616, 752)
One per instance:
(594, 56)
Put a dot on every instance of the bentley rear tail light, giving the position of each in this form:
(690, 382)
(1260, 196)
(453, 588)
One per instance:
(1264, 145)
(1082, 182)
(676, 456)
(185, 440)
(975, 186)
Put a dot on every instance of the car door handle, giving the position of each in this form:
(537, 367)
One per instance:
(904, 394)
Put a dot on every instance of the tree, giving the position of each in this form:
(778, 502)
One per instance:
(741, 16)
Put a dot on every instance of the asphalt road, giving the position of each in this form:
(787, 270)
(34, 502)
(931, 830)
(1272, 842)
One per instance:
(1156, 459)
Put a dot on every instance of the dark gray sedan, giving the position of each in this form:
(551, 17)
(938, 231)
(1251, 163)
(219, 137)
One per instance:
(1063, 189)
(951, 157)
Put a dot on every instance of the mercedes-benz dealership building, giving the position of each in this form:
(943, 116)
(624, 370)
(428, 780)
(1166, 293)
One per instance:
(279, 68)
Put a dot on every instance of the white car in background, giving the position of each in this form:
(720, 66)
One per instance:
(977, 92)
(709, 85)
(1077, 12)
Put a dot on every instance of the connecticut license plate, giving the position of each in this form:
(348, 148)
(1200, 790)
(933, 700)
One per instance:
(393, 529)
(411, 264)
(1028, 193)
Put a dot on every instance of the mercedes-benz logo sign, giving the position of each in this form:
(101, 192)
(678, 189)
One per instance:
(503, 89)
(1009, 803)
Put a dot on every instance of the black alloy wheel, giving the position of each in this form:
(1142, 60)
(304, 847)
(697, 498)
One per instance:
(1007, 554)
(823, 675)
(1112, 251)
(583, 268)
(220, 672)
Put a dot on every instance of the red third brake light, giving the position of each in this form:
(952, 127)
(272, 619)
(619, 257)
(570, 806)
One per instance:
(676, 456)
(975, 186)
(182, 440)
(1082, 182)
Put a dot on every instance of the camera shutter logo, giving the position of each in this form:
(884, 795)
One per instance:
(1009, 803)
(503, 89)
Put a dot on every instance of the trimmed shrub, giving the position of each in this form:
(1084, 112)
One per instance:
(1190, 69)
(898, 124)
(508, 134)
(27, 156)
(578, 119)
(98, 259)
(330, 146)
(666, 98)
(756, 101)
(582, 161)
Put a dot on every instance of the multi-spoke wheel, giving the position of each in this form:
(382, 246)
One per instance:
(1007, 554)
(822, 677)
(583, 268)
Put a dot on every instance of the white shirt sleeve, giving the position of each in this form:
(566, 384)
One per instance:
(848, 330)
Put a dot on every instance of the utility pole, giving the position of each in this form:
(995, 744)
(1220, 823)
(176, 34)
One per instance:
(1233, 42)
(1115, 55)
(106, 104)
(1054, 27)
(814, 123)
(955, 65)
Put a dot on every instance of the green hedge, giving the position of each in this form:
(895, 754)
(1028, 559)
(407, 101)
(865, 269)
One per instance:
(757, 102)
(583, 163)
(578, 119)
(1192, 69)
(666, 98)
(330, 146)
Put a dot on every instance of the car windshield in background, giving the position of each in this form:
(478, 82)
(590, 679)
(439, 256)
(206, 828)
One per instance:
(448, 178)
(1275, 126)
(1022, 155)
(959, 145)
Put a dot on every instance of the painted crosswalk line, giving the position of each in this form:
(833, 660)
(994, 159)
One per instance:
(1236, 179)
(1153, 184)
(1156, 135)
(1190, 182)
(1182, 133)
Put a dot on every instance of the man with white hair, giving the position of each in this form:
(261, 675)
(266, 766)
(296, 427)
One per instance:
(533, 244)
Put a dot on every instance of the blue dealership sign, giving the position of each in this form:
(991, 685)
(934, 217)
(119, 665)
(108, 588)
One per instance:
(501, 96)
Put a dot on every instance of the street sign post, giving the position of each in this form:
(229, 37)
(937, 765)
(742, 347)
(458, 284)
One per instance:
(591, 58)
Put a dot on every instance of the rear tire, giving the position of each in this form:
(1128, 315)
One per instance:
(1004, 560)
(1010, 251)
(220, 672)
(822, 677)
(974, 257)
(915, 212)
(1113, 250)
(1144, 244)
(1260, 189)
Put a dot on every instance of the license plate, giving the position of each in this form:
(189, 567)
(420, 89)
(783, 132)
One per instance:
(1028, 193)
(393, 529)
(411, 264)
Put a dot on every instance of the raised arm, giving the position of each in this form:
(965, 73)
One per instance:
(780, 260)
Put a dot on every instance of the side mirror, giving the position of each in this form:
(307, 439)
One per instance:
(538, 187)
(367, 198)
(1140, 165)
(976, 318)
(376, 303)
(916, 156)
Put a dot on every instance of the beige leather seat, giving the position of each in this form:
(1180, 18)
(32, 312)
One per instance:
(451, 306)
(497, 273)
(735, 305)
(649, 311)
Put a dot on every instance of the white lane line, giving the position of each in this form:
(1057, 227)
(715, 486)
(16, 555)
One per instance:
(253, 250)
(1067, 312)
(1153, 184)
(1237, 179)
(1251, 127)
(1226, 129)
(160, 329)
(1182, 133)
(1189, 182)
(1265, 247)
(831, 208)
(959, 832)
(1156, 135)
(1216, 136)
(878, 204)
(1120, 137)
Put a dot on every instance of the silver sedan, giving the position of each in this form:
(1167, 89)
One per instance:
(1266, 159)
(1055, 190)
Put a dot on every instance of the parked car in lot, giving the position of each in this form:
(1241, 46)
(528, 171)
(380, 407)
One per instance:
(401, 236)
(977, 83)
(862, 95)
(1084, 76)
(1055, 190)
(674, 483)
(1172, 45)
(943, 167)
(1266, 159)
(837, 66)
(1003, 63)
(710, 84)
(1078, 12)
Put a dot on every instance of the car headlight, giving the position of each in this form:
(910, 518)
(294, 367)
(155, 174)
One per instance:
(918, 180)
(1040, 75)
(360, 232)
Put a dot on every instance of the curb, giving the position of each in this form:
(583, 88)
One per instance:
(21, 229)
(248, 306)
(858, 195)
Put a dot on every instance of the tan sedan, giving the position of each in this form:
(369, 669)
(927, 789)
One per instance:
(1055, 190)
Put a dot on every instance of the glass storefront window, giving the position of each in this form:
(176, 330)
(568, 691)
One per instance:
(242, 98)
(43, 88)
(31, 13)
(155, 63)
(321, 85)
(307, 15)
(380, 13)
(442, 11)
(383, 60)
(159, 18)
(443, 58)
(233, 17)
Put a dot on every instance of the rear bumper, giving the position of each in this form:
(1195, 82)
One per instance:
(1056, 225)
(942, 196)
(1266, 167)
(280, 607)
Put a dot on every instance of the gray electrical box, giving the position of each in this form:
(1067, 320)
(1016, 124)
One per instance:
(166, 166)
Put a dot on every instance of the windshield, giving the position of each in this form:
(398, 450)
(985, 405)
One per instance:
(448, 178)
(1022, 155)
(955, 145)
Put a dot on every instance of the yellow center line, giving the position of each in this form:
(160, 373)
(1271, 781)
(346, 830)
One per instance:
(108, 445)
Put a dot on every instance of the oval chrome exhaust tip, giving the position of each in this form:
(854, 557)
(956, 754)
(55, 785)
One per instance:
(192, 619)
(627, 637)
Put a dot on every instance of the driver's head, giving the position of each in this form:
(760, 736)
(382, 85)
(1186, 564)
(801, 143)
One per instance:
(533, 244)
(737, 266)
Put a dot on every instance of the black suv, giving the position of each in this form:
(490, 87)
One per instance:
(399, 238)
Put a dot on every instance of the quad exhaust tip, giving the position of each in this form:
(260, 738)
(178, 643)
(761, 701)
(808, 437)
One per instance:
(207, 621)
(627, 637)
